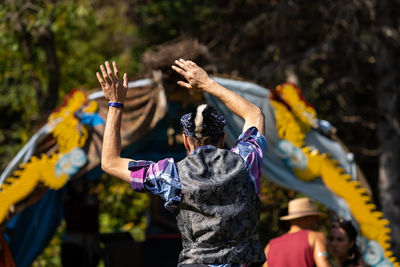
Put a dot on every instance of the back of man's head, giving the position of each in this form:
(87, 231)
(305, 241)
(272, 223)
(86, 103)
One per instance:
(307, 222)
(203, 126)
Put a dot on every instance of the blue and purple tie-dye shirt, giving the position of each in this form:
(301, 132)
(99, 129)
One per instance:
(162, 177)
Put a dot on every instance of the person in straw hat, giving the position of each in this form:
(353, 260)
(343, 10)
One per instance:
(302, 245)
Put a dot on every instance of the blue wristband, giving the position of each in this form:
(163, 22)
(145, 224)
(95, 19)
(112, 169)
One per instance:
(116, 104)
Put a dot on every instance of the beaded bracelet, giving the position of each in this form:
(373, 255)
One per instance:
(116, 104)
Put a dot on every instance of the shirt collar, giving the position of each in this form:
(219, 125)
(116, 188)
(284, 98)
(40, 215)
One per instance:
(202, 147)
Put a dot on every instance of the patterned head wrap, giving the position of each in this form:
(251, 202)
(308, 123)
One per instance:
(206, 122)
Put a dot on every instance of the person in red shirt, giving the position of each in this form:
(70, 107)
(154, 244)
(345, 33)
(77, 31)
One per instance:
(302, 245)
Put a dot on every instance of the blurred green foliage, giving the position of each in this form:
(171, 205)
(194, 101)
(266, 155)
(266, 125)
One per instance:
(121, 209)
(84, 35)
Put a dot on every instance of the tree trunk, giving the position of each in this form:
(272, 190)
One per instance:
(49, 100)
(46, 99)
(388, 128)
(389, 144)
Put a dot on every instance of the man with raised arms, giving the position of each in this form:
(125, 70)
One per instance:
(214, 192)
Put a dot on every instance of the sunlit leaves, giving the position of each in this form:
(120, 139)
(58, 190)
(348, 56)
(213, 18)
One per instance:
(84, 37)
(121, 208)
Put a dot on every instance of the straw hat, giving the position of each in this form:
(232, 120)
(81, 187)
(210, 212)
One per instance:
(302, 207)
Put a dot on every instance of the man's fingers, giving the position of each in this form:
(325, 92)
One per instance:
(110, 72)
(108, 66)
(116, 71)
(125, 80)
(104, 72)
(183, 84)
(182, 64)
(179, 70)
(191, 63)
(102, 83)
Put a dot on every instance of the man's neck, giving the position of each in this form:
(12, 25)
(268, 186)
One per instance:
(205, 146)
(294, 229)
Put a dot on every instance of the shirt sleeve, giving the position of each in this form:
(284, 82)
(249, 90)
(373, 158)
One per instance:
(160, 178)
(250, 146)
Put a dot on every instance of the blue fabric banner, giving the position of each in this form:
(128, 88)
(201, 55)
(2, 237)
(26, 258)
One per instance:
(30, 232)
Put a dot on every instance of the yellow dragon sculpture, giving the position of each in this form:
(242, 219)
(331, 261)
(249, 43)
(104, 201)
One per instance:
(52, 170)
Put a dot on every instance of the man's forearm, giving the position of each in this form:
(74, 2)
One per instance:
(111, 161)
(114, 89)
(251, 114)
(112, 134)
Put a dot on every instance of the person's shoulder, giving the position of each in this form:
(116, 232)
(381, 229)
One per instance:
(316, 238)
(252, 137)
(315, 235)
(281, 238)
(250, 132)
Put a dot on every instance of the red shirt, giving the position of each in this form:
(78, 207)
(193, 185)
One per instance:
(291, 250)
(6, 259)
